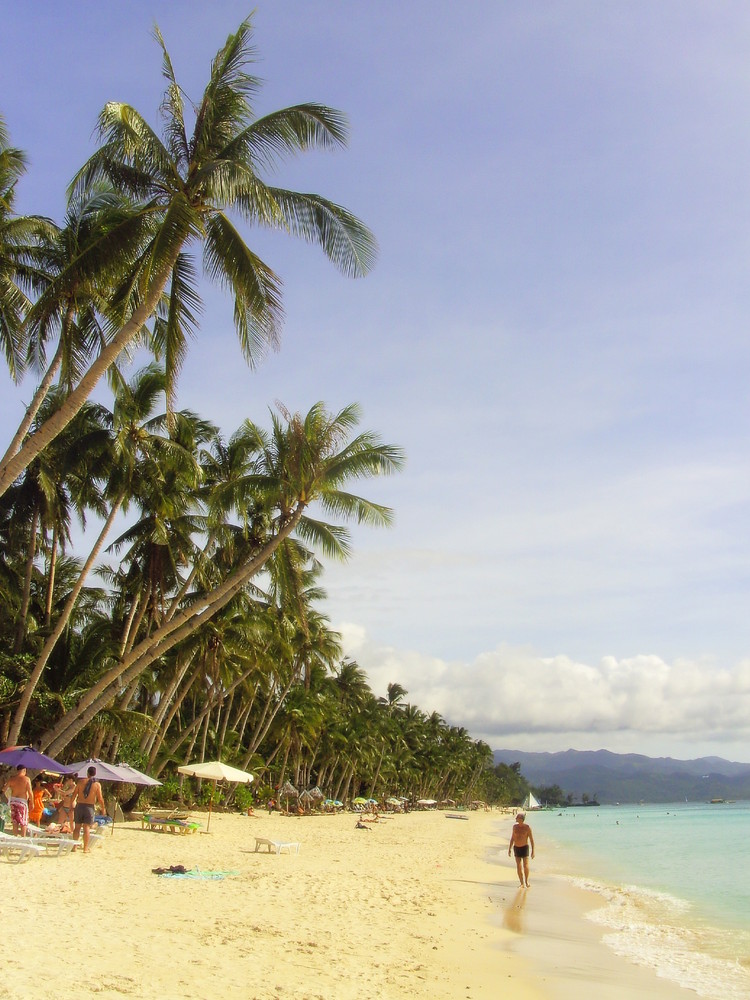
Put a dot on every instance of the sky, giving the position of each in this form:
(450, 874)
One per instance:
(555, 333)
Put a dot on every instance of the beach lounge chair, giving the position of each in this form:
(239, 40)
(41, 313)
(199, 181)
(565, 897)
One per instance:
(51, 846)
(39, 834)
(163, 825)
(276, 846)
(17, 849)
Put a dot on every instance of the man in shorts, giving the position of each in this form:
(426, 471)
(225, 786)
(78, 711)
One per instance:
(18, 790)
(88, 795)
(521, 841)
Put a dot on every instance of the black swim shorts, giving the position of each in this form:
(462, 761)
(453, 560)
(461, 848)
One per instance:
(84, 814)
(521, 852)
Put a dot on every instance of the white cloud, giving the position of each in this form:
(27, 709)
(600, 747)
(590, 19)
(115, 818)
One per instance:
(513, 697)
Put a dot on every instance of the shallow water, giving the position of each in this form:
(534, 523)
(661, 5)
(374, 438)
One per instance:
(674, 884)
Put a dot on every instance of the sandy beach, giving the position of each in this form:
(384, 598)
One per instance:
(415, 906)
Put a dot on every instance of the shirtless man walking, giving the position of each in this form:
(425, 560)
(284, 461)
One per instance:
(18, 789)
(521, 838)
(88, 795)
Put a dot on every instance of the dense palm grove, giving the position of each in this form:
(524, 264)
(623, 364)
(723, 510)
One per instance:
(188, 625)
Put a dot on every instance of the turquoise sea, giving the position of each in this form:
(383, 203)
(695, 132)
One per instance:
(673, 881)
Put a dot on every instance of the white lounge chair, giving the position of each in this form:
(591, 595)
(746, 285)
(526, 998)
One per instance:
(38, 833)
(54, 846)
(17, 849)
(277, 846)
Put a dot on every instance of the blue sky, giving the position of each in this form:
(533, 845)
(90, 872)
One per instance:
(556, 334)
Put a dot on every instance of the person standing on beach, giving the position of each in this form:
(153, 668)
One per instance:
(18, 790)
(88, 795)
(521, 840)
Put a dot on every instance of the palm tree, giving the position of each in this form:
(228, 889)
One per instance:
(18, 236)
(183, 188)
(308, 460)
(132, 442)
(74, 302)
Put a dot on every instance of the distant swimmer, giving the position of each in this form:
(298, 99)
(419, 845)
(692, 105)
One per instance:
(521, 841)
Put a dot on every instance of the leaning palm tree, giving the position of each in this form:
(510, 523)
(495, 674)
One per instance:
(303, 461)
(131, 449)
(185, 186)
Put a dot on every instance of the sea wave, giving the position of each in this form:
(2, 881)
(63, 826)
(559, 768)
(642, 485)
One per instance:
(655, 929)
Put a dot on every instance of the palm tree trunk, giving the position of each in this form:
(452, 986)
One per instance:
(51, 579)
(223, 734)
(25, 453)
(166, 700)
(26, 596)
(129, 622)
(194, 726)
(161, 732)
(33, 408)
(60, 625)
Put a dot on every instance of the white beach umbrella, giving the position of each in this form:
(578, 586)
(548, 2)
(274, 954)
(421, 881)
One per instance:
(215, 770)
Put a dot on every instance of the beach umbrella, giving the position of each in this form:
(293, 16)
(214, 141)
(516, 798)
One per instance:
(359, 801)
(33, 759)
(215, 770)
(136, 777)
(104, 772)
(288, 791)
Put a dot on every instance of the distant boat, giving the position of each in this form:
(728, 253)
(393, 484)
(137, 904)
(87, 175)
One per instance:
(717, 802)
(531, 802)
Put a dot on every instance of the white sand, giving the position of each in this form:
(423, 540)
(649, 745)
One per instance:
(410, 908)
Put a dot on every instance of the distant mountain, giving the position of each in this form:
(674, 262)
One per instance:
(611, 777)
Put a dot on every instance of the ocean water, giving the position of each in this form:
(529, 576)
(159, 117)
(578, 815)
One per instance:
(673, 881)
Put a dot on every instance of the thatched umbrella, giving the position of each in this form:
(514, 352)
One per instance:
(288, 791)
(311, 795)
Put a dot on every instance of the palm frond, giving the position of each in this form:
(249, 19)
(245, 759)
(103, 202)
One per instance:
(172, 109)
(332, 539)
(346, 241)
(256, 289)
(287, 132)
(181, 321)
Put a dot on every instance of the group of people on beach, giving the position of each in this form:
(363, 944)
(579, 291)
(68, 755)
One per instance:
(76, 810)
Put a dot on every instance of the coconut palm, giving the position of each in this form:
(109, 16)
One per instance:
(184, 187)
(307, 460)
(134, 447)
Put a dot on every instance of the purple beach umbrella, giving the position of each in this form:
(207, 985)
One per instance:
(32, 759)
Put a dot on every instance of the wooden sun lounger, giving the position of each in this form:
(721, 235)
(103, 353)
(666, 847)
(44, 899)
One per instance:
(181, 826)
(276, 846)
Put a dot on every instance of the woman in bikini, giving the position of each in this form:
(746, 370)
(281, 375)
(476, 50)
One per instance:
(65, 809)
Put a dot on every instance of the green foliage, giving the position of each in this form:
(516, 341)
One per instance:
(550, 795)
(168, 791)
(505, 785)
(243, 797)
